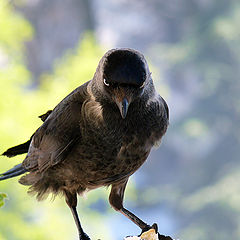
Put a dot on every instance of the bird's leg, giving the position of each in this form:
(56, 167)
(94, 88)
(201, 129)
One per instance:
(116, 201)
(144, 226)
(71, 200)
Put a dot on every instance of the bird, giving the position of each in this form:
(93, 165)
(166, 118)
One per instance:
(97, 136)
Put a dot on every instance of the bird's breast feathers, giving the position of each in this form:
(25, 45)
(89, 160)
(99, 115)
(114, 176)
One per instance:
(142, 128)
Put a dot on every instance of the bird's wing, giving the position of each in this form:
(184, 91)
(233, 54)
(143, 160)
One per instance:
(44, 116)
(54, 140)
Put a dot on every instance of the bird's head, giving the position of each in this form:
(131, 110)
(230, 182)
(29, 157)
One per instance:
(122, 76)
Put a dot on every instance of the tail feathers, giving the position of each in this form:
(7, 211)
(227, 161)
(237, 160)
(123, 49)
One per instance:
(13, 172)
(19, 149)
(23, 148)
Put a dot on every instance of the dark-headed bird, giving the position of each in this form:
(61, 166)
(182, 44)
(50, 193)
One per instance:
(98, 135)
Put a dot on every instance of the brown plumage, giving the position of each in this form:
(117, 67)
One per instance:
(98, 135)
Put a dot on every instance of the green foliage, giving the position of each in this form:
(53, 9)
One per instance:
(14, 30)
(2, 198)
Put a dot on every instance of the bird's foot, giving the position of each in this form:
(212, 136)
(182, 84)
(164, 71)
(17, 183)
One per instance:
(84, 236)
(151, 232)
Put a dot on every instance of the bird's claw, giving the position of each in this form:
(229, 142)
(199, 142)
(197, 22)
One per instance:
(155, 227)
(163, 237)
(84, 236)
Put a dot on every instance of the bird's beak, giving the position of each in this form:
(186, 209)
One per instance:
(123, 107)
(122, 101)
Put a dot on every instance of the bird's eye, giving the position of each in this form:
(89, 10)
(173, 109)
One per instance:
(105, 82)
(142, 85)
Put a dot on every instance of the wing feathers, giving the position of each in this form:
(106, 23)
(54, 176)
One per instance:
(54, 140)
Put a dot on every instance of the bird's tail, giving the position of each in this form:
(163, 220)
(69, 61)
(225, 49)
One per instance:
(13, 172)
(23, 148)
(19, 149)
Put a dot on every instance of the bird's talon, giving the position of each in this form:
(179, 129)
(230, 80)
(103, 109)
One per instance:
(155, 227)
(147, 233)
(145, 229)
(84, 237)
(163, 237)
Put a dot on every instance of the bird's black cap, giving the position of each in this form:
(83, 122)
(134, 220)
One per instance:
(124, 66)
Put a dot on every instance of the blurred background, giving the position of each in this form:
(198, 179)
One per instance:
(190, 185)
